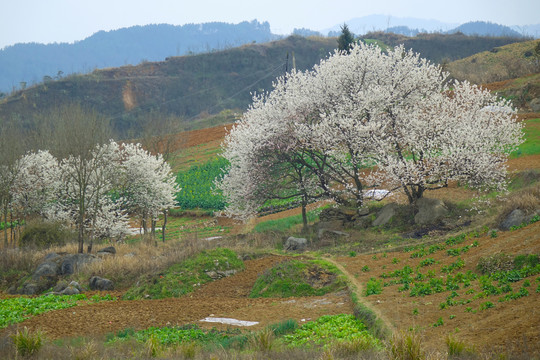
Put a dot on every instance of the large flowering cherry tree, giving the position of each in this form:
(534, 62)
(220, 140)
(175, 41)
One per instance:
(366, 119)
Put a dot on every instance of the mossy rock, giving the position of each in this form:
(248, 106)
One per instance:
(298, 278)
(186, 276)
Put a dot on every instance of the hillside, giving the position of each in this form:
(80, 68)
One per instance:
(443, 47)
(190, 88)
(32, 63)
(484, 28)
(183, 87)
(499, 63)
(428, 290)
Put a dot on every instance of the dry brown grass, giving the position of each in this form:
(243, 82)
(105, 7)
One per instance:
(527, 200)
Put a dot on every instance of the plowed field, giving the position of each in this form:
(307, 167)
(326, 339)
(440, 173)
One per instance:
(227, 298)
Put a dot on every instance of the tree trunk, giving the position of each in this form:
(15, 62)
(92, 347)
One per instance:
(144, 226)
(5, 227)
(153, 228)
(81, 238)
(164, 224)
(304, 214)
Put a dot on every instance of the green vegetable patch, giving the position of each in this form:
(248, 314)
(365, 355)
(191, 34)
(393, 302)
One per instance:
(331, 329)
(184, 277)
(298, 278)
(15, 310)
(190, 333)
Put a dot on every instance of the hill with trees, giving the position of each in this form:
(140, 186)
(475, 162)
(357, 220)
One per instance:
(184, 87)
(23, 64)
(182, 90)
(485, 28)
(439, 47)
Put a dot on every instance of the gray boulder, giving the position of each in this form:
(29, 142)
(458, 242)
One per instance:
(72, 262)
(51, 256)
(535, 104)
(98, 283)
(328, 237)
(385, 215)
(60, 286)
(30, 288)
(295, 244)
(108, 250)
(70, 290)
(430, 211)
(330, 224)
(47, 268)
(516, 218)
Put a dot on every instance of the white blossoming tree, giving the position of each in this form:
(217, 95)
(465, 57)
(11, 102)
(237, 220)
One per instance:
(365, 119)
(148, 187)
(38, 177)
(84, 194)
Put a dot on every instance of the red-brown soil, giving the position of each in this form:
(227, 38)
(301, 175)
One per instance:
(227, 297)
(509, 323)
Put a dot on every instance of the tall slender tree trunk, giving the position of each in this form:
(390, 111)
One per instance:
(6, 241)
(81, 237)
(153, 228)
(304, 214)
(164, 224)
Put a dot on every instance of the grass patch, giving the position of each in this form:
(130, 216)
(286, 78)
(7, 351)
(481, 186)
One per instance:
(182, 278)
(298, 278)
(331, 329)
(287, 223)
(531, 145)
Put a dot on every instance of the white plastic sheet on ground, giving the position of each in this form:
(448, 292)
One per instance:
(377, 194)
(229, 321)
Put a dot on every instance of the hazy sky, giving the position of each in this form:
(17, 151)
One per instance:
(48, 21)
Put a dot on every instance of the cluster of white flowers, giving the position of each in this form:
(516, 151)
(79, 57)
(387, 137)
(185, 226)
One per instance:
(364, 119)
(94, 193)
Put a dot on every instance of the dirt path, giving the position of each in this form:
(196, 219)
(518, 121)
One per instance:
(359, 291)
(227, 297)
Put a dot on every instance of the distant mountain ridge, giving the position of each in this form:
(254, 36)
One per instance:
(484, 28)
(412, 26)
(23, 64)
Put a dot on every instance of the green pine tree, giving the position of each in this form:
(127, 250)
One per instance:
(346, 39)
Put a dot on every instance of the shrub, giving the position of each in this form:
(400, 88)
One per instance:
(44, 234)
(374, 287)
(495, 263)
(263, 340)
(406, 346)
(457, 348)
(439, 322)
(27, 342)
(427, 262)
(284, 327)
(525, 260)
(486, 305)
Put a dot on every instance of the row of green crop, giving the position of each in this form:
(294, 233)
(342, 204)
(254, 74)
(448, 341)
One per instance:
(198, 190)
(14, 310)
(197, 185)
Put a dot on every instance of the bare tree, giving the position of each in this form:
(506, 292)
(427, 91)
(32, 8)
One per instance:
(11, 149)
(75, 134)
